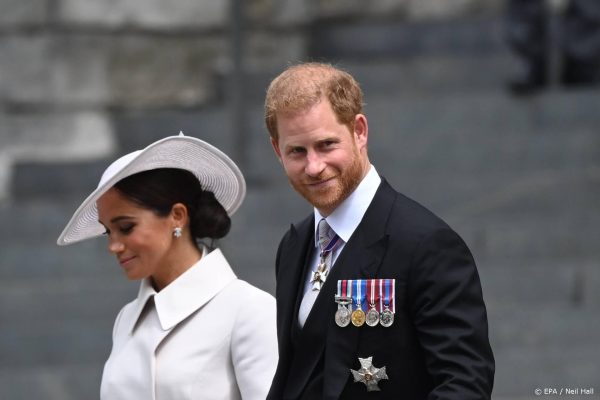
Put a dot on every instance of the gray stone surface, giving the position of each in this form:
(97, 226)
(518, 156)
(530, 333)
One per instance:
(50, 137)
(103, 69)
(149, 14)
(18, 13)
(407, 9)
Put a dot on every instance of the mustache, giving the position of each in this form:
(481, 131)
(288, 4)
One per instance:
(319, 179)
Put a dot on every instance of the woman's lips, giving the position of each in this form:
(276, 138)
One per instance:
(125, 260)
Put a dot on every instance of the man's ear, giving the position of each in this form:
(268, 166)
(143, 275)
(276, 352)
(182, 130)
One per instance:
(361, 130)
(275, 144)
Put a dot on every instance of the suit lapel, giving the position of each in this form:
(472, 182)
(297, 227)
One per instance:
(360, 258)
(291, 262)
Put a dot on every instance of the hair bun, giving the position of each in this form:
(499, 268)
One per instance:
(211, 219)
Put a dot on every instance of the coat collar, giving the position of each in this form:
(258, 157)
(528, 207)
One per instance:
(186, 294)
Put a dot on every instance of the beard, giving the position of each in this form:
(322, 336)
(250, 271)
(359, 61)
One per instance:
(343, 183)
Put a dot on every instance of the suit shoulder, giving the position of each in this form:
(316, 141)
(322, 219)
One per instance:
(408, 215)
(296, 227)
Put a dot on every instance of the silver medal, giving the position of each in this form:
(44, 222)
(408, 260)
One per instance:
(342, 316)
(343, 313)
(387, 317)
(372, 316)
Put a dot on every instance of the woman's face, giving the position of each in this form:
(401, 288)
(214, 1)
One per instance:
(141, 240)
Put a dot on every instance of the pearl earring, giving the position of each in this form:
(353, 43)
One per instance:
(177, 232)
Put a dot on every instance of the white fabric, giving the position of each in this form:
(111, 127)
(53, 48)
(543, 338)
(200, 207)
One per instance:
(343, 221)
(207, 335)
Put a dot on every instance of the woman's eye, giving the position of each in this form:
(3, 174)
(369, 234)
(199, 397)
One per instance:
(126, 229)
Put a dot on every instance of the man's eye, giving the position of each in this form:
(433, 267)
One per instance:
(297, 150)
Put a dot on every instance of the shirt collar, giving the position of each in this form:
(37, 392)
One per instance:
(346, 217)
(190, 291)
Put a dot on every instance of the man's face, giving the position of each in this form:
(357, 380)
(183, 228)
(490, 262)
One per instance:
(323, 159)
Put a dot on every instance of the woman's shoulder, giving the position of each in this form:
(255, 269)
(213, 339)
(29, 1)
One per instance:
(248, 292)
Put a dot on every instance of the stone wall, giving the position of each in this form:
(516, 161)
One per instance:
(67, 65)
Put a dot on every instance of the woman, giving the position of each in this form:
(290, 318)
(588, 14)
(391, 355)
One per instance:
(194, 331)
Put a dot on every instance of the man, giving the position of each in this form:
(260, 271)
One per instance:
(367, 255)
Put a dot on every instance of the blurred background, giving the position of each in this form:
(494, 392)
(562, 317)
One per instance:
(517, 174)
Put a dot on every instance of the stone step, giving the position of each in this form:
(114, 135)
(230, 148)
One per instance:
(74, 381)
(542, 346)
(380, 39)
(551, 282)
(60, 342)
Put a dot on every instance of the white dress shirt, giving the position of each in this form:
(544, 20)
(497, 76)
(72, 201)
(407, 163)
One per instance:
(207, 335)
(345, 219)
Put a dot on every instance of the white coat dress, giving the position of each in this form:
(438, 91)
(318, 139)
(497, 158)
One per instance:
(207, 335)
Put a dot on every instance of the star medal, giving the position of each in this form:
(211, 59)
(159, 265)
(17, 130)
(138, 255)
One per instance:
(387, 315)
(369, 374)
(358, 316)
(319, 276)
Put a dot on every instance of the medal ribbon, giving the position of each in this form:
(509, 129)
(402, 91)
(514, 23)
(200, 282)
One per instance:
(357, 295)
(389, 295)
(342, 288)
(380, 287)
(333, 243)
(349, 288)
(363, 294)
(393, 299)
(371, 284)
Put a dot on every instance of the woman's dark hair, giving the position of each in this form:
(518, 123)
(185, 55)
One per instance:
(159, 189)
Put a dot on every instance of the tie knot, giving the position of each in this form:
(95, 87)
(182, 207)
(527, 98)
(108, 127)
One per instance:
(326, 234)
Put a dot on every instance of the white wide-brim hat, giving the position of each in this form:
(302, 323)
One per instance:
(213, 168)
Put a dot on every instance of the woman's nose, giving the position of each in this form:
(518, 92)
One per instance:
(115, 246)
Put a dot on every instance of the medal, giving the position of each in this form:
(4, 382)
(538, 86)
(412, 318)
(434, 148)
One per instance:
(358, 315)
(319, 276)
(387, 315)
(369, 374)
(372, 317)
(342, 315)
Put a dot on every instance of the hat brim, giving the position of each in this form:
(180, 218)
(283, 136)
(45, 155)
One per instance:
(213, 168)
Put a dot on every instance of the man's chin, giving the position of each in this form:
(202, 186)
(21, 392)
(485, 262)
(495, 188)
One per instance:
(322, 204)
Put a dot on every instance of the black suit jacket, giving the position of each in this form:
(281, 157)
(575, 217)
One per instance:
(438, 346)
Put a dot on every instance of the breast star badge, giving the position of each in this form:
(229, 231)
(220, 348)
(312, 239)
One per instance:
(369, 374)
